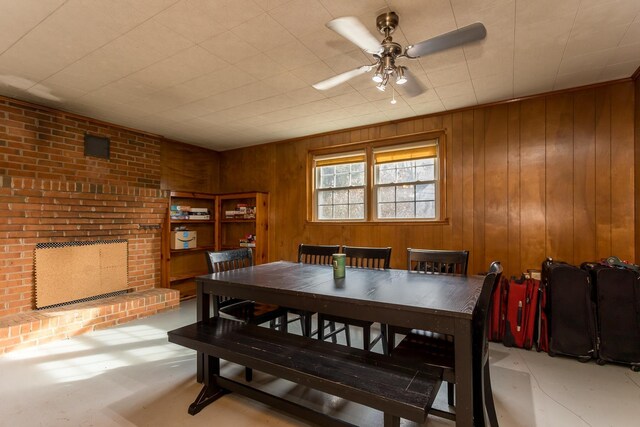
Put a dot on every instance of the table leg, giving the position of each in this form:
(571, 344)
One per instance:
(211, 391)
(464, 373)
(203, 311)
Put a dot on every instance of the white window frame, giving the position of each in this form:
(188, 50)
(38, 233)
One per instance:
(369, 148)
(406, 152)
(336, 160)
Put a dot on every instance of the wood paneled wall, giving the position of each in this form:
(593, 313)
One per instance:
(547, 176)
(188, 168)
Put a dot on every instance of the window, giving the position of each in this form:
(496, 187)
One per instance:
(340, 187)
(379, 181)
(406, 181)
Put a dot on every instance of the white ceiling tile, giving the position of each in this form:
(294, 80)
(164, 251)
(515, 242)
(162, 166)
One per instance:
(623, 53)
(218, 81)
(267, 5)
(583, 63)
(349, 99)
(620, 70)
(18, 18)
(229, 47)
(260, 66)
(460, 101)
(301, 17)
(536, 12)
(181, 67)
(325, 43)
(493, 88)
(339, 8)
(455, 90)
(292, 55)
(263, 32)
(305, 95)
(284, 82)
(445, 76)
(428, 107)
(583, 39)
(188, 20)
(580, 78)
(632, 35)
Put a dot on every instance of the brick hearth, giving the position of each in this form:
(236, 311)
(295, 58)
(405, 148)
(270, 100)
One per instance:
(28, 329)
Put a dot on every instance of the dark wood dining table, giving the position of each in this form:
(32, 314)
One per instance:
(439, 303)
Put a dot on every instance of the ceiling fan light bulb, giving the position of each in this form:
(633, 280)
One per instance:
(400, 77)
(381, 87)
(377, 78)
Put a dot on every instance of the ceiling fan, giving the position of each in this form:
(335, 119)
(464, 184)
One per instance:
(387, 51)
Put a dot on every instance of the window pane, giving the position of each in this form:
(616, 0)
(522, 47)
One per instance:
(325, 212)
(357, 167)
(343, 168)
(426, 210)
(325, 197)
(341, 211)
(404, 210)
(341, 197)
(425, 173)
(356, 195)
(386, 210)
(406, 174)
(356, 211)
(327, 181)
(357, 179)
(386, 176)
(342, 180)
(386, 194)
(405, 193)
(426, 191)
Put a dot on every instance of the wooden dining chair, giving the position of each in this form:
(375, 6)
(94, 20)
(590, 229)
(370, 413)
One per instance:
(359, 257)
(438, 352)
(319, 255)
(430, 261)
(241, 309)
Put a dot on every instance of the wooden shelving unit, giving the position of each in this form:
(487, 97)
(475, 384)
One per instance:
(232, 230)
(181, 266)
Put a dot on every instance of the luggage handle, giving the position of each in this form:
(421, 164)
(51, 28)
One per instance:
(519, 317)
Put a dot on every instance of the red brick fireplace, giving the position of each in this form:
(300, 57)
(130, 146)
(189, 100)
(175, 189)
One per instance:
(51, 192)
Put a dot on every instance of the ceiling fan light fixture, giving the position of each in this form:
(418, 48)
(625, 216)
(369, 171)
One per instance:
(400, 77)
(381, 87)
(378, 76)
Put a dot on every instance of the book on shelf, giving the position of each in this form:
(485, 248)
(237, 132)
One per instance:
(247, 244)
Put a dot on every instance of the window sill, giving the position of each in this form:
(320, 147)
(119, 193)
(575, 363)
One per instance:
(392, 222)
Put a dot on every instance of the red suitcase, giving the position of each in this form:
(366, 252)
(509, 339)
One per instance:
(498, 311)
(522, 308)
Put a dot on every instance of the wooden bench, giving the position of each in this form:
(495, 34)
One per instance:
(399, 388)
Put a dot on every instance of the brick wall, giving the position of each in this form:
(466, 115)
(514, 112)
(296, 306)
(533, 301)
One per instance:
(51, 192)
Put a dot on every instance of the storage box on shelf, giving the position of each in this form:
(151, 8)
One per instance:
(243, 223)
(189, 231)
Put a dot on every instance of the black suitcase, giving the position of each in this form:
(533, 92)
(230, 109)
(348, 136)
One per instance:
(617, 297)
(569, 310)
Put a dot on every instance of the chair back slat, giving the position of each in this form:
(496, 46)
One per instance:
(364, 257)
(234, 259)
(317, 254)
(437, 261)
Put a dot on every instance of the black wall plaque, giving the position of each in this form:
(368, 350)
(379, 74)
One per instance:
(96, 146)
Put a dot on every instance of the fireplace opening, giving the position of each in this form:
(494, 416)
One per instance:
(71, 272)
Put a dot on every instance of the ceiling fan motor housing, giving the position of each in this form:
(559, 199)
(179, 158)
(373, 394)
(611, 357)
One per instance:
(387, 23)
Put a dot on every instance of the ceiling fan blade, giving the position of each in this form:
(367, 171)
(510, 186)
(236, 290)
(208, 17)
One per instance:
(412, 87)
(454, 38)
(353, 30)
(341, 78)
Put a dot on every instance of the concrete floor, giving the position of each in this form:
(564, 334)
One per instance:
(131, 376)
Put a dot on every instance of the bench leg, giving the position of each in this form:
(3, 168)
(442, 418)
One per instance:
(207, 395)
(391, 420)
